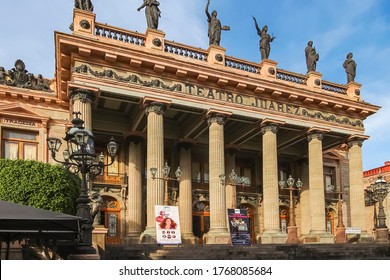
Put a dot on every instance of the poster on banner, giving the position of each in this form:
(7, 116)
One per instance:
(167, 224)
(239, 227)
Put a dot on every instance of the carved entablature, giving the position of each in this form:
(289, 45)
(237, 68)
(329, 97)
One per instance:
(19, 77)
(132, 78)
(222, 96)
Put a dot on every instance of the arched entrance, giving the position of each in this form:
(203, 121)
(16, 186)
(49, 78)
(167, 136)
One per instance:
(201, 219)
(250, 210)
(110, 218)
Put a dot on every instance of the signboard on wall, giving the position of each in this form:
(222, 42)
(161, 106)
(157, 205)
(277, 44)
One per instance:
(167, 224)
(239, 225)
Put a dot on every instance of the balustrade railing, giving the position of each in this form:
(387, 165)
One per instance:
(186, 51)
(291, 77)
(120, 35)
(242, 65)
(333, 87)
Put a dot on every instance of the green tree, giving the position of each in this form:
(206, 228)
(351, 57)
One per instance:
(40, 185)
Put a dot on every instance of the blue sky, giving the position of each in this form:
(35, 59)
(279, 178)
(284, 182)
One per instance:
(336, 27)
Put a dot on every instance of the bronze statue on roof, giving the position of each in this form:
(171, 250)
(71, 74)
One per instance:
(152, 13)
(215, 26)
(350, 68)
(83, 5)
(311, 57)
(265, 40)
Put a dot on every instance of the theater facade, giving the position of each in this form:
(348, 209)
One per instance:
(204, 111)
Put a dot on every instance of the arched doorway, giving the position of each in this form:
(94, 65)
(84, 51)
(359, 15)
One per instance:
(250, 210)
(201, 219)
(110, 218)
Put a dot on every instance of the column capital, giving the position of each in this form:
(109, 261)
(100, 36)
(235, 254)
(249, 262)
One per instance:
(216, 118)
(84, 95)
(135, 137)
(356, 140)
(155, 107)
(185, 144)
(270, 127)
(319, 135)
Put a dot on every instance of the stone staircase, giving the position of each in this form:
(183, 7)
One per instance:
(254, 252)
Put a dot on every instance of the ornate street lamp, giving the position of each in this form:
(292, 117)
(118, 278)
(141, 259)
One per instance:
(380, 189)
(80, 154)
(166, 170)
(234, 180)
(340, 228)
(292, 229)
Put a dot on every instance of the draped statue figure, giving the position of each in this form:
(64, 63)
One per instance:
(152, 13)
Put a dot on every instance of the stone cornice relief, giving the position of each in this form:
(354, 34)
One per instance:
(131, 78)
(254, 102)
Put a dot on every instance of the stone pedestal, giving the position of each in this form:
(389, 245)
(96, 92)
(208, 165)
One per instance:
(340, 235)
(155, 39)
(268, 68)
(216, 55)
(99, 234)
(382, 235)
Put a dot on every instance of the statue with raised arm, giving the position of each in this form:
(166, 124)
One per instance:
(311, 57)
(265, 40)
(215, 26)
(83, 5)
(152, 13)
(350, 68)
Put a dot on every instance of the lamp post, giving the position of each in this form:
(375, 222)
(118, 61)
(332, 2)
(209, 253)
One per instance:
(80, 154)
(292, 229)
(166, 170)
(235, 180)
(340, 228)
(380, 189)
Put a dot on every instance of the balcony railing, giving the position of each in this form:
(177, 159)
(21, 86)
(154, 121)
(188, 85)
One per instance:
(120, 35)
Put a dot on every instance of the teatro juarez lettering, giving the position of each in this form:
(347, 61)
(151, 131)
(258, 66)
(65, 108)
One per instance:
(241, 99)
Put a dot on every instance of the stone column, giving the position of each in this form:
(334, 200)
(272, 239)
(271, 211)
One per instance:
(318, 233)
(231, 195)
(272, 232)
(134, 201)
(218, 233)
(356, 188)
(155, 158)
(304, 200)
(82, 100)
(185, 194)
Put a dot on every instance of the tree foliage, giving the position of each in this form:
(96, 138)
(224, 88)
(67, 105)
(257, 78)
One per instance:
(39, 185)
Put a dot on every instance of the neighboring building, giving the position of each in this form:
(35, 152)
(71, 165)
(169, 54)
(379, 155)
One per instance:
(203, 111)
(369, 177)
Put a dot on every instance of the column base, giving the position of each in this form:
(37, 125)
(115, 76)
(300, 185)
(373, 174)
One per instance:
(272, 237)
(217, 236)
(148, 236)
(382, 235)
(132, 238)
(318, 237)
(188, 238)
(340, 235)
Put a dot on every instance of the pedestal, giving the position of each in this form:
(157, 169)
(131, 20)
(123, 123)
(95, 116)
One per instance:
(382, 235)
(292, 235)
(99, 234)
(340, 235)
